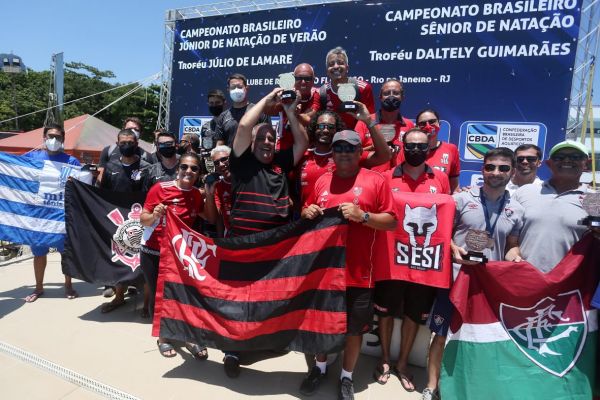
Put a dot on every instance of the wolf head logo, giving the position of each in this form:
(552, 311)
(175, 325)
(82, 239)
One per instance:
(420, 222)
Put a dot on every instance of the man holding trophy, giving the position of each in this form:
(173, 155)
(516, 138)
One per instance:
(487, 227)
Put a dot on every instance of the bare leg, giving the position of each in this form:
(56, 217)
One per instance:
(351, 352)
(386, 326)
(409, 333)
(434, 364)
(39, 267)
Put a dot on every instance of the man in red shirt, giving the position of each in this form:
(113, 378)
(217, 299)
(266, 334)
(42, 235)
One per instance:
(319, 160)
(392, 296)
(389, 120)
(442, 155)
(326, 98)
(364, 198)
(305, 79)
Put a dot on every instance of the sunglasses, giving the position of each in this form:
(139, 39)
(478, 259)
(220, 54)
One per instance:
(324, 126)
(184, 142)
(414, 146)
(529, 159)
(569, 157)
(493, 167)
(303, 78)
(185, 167)
(222, 160)
(166, 144)
(424, 123)
(343, 148)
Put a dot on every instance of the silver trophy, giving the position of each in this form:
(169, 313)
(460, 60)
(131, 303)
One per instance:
(287, 82)
(591, 205)
(388, 131)
(477, 241)
(347, 93)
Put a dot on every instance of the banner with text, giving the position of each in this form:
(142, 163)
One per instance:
(498, 72)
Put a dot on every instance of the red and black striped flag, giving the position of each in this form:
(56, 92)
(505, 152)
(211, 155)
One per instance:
(279, 289)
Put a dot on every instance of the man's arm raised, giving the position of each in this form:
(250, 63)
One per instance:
(243, 136)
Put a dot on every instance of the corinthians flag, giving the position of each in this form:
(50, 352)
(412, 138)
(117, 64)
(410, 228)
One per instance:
(280, 289)
(520, 334)
(103, 234)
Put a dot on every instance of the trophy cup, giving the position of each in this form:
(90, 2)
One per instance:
(591, 204)
(287, 82)
(477, 241)
(347, 93)
(388, 131)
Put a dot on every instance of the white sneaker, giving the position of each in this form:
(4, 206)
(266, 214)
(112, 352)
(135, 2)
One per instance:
(430, 394)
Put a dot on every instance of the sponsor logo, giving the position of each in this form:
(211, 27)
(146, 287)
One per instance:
(127, 239)
(481, 138)
(420, 223)
(508, 212)
(193, 252)
(445, 158)
(551, 333)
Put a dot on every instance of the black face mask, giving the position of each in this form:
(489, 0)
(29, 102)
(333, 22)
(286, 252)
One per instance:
(415, 157)
(181, 150)
(215, 110)
(166, 151)
(391, 103)
(128, 149)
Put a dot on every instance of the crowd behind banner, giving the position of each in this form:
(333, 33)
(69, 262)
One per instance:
(246, 236)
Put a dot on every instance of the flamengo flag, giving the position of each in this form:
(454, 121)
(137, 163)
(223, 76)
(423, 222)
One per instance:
(32, 199)
(419, 249)
(520, 334)
(103, 234)
(280, 289)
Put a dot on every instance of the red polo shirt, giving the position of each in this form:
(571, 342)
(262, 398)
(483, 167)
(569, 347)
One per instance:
(443, 158)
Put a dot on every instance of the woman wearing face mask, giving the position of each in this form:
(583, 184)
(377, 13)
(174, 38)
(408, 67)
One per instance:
(442, 156)
(186, 201)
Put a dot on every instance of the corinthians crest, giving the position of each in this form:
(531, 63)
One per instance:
(552, 333)
(127, 239)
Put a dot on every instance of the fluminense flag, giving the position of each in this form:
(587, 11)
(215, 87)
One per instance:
(520, 334)
(32, 199)
(278, 289)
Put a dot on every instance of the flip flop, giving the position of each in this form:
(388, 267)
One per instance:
(108, 307)
(404, 378)
(34, 296)
(381, 373)
(199, 353)
(71, 294)
(163, 348)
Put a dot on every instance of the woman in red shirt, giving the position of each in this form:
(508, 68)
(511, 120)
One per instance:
(187, 202)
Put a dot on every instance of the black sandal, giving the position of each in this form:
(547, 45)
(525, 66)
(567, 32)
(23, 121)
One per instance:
(199, 353)
(164, 348)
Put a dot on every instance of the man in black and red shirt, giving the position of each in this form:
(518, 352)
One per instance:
(326, 98)
(261, 198)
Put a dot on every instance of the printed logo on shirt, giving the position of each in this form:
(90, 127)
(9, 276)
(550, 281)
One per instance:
(432, 189)
(443, 169)
(445, 158)
(473, 206)
(508, 212)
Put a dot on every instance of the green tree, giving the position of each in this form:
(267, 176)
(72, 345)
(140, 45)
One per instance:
(31, 94)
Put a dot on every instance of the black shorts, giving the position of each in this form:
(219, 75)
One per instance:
(359, 310)
(404, 299)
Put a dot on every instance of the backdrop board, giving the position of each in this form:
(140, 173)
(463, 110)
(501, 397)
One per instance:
(498, 72)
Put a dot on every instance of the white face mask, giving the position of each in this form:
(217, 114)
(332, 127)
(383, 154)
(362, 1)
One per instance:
(237, 95)
(54, 144)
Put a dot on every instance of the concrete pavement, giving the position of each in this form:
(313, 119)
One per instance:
(115, 351)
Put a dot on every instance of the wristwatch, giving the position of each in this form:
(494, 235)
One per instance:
(365, 218)
(372, 123)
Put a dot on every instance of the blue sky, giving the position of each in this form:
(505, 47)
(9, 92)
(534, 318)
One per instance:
(123, 36)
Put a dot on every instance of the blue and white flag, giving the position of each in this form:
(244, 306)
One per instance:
(32, 209)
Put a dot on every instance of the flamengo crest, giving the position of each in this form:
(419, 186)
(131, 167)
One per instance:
(127, 239)
(552, 333)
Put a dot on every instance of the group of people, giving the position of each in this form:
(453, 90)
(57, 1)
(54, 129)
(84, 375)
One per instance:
(241, 176)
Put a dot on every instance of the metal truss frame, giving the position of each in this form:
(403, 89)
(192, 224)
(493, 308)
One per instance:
(587, 51)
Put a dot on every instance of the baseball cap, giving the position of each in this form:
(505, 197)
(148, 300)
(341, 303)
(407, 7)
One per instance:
(347, 136)
(570, 144)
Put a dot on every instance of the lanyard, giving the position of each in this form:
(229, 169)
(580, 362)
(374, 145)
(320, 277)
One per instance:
(489, 227)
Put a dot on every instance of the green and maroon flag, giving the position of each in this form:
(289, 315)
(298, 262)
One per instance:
(517, 333)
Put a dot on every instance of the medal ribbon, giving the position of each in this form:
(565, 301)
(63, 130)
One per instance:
(489, 227)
